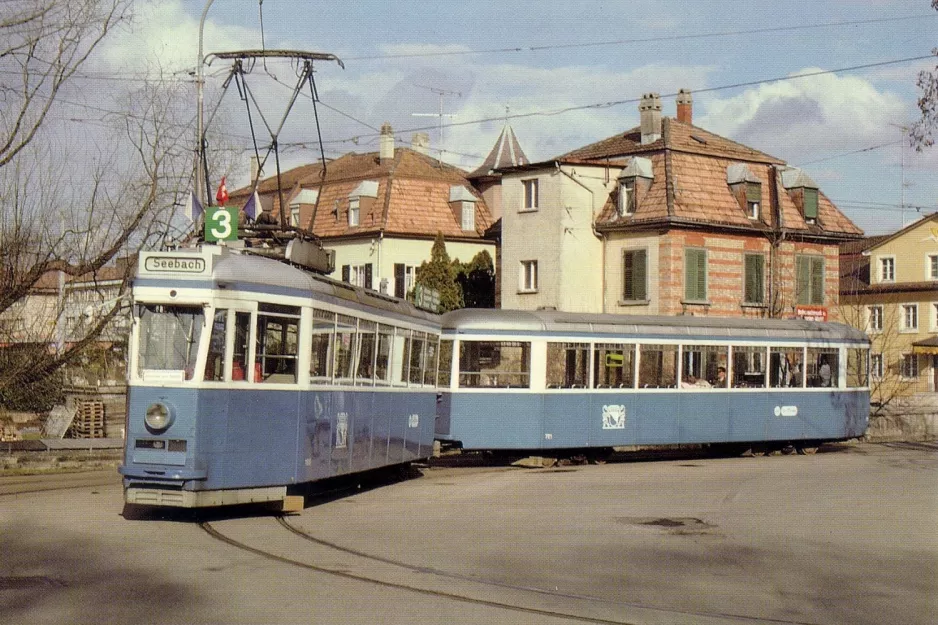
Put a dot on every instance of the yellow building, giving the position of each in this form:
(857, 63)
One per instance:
(889, 288)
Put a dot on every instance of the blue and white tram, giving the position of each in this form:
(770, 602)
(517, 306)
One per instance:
(553, 381)
(248, 376)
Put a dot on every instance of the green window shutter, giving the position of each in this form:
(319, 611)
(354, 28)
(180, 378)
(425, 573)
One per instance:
(802, 279)
(810, 203)
(755, 272)
(817, 281)
(753, 192)
(639, 276)
(695, 275)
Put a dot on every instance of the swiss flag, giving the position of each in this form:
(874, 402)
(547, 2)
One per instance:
(222, 195)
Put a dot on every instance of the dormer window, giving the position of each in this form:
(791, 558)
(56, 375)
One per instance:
(810, 205)
(353, 208)
(803, 192)
(753, 200)
(468, 216)
(626, 196)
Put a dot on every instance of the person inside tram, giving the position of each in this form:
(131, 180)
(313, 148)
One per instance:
(720, 380)
(824, 372)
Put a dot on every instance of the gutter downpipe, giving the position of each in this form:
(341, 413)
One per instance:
(200, 83)
(602, 249)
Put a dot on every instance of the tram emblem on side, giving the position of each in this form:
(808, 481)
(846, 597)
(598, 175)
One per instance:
(341, 430)
(413, 420)
(614, 417)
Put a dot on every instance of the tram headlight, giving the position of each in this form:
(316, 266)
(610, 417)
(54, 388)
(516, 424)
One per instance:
(158, 417)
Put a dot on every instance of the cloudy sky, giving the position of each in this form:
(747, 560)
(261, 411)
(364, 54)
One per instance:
(567, 74)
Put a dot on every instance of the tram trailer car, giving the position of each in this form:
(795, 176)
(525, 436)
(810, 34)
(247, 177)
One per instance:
(553, 382)
(248, 377)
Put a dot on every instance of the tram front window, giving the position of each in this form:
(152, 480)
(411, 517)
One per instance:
(169, 340)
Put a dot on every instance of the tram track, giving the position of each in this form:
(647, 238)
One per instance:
(431, 575)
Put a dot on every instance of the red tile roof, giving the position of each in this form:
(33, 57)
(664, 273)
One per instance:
(412, 199)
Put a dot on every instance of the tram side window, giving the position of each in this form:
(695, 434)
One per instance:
(366, 353)
(858, 367)
(504, 364)
(169, 338)
(748, 367)
(346, 332)
(568, 365)
(323, 343)
(400, 357)
(417, 358)
(215, 362)
(614, 366)
(701, 366)
(658, 368)
(822, 366)
(383, 357)
(277, 343)
(242, 340)
(433, 347)
(444, 374)
(785, 369)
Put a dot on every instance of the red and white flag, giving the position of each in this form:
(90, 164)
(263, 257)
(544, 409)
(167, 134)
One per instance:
(222, 195)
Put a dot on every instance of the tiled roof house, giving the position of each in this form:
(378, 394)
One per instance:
(381, 211)
(669, 218)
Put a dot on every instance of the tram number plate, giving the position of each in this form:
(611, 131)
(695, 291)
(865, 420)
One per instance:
(221, 223)
(786, 411)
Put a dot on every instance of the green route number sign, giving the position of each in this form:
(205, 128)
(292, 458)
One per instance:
(221, 223)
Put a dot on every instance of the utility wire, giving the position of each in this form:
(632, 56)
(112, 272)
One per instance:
(616, 42)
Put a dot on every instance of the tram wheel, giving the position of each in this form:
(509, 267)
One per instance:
(788, 450)
(806, 450)
(758, 450)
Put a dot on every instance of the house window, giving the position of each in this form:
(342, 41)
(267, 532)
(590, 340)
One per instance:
(403, 279)
(353, 211)
(528, 276)
(934, 317)
(910, 317)
(933, 266)
(635, 277)
(875, 318)
(695, 275)
(359, 275)
(753, 199)
(754, 279)
(626, 197)
(530, 194)
(809, 280)
(810, 205)
(295, 216)
(887, 269)
(908, 366)
(876, 366)
(468, 216)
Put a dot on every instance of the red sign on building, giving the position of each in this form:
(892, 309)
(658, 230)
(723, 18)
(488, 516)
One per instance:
(811, 313)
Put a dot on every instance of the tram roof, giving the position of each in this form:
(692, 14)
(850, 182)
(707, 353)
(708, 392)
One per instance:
(239, 270)
(479, 320)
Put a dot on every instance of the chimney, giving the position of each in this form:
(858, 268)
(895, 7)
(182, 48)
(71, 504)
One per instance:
(256, 172)
(650, 113)
(386, 152)
(685, 107)
(420, 142)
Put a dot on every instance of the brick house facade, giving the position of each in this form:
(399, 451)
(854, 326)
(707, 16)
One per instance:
(668, 218)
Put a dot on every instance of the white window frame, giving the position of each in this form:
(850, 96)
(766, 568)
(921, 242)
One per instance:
(931, 266)
(876, 366)
(909, 313)
(527, 277)
(933, 326)
(357, 275)
(882, 264)
(754, 209)
(626, 197)
(353, 211)
(468, 216)
(872, 328)
(530, 194)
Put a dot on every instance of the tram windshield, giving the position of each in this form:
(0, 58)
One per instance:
(169, 339)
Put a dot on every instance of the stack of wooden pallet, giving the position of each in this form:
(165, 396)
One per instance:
(89, 420)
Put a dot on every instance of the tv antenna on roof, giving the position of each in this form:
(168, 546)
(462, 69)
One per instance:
(442, 93)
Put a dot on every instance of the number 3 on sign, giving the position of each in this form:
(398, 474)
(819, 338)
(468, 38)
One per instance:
(221, 224)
